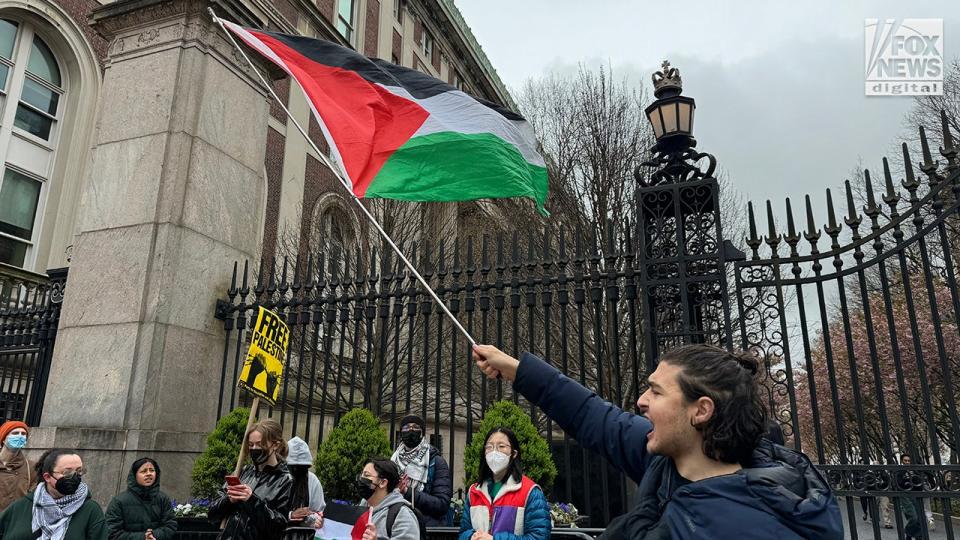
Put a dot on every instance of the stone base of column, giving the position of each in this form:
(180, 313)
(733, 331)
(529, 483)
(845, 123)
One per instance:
(108, 454)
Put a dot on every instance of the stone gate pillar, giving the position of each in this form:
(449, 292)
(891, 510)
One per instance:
(175, 195)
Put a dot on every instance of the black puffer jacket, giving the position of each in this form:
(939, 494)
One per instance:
(264, 515)
(434, 500)
(139, 508)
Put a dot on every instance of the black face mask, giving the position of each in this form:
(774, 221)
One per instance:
(365, 487)
(259, 456)
(69, 486)
(411, 439)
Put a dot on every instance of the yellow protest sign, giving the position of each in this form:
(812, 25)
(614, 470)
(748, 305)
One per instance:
(263, 369)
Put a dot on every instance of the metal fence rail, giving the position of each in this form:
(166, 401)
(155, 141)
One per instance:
(29, 315)
(857, 322)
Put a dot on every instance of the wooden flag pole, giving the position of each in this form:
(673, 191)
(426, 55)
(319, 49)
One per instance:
(346, 184)
(246, 432)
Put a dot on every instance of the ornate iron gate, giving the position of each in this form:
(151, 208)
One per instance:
(29, 314)
(860, 339)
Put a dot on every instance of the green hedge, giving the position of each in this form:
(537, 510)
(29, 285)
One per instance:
(220, 456)
(341, 455)
(535, 452)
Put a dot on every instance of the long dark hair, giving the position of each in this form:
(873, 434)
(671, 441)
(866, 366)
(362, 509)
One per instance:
(729, 379)
(300, 489)
(514, 470)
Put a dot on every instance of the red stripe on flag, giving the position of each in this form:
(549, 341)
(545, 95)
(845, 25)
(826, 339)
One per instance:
(366, 121)
(357, 532)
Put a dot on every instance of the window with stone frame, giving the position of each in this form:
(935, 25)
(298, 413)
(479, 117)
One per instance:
(427, 45)
(398, 10)
(345, 18)
(334, 235)
(32, 93)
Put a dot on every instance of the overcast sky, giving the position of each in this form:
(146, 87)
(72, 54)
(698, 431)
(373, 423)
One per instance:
(779, 85)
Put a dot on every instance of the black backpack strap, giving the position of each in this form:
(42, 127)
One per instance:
(392, 516)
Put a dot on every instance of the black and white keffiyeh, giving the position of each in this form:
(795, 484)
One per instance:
(51, 517)
(415, 462)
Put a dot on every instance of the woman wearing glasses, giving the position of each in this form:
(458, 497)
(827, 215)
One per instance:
(504, 504)
(60, 508)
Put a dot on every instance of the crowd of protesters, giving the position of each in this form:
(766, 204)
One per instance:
(701, 452)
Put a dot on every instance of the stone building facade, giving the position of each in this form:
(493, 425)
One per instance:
(140, 151)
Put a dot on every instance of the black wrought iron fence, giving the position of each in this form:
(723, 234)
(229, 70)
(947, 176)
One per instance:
(856, 321)
(29, 314)
(858, 324)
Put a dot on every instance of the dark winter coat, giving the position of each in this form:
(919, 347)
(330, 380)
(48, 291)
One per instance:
(778, 495)
(139, 508)
(87, 523)
(434, 500)
(264, 515)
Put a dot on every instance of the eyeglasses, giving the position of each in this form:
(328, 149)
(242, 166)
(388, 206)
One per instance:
(502, 447)
(70, 473)
(410, 427)
(370, 478)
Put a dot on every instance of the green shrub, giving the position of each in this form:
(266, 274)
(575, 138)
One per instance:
(220, 456)
(341, 455)
(534, 450)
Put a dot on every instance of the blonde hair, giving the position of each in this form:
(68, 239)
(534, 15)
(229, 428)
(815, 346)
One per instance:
(272, 433)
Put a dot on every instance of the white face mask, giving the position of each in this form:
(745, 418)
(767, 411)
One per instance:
(498, 461)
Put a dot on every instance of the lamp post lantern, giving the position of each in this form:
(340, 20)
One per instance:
(683, 256)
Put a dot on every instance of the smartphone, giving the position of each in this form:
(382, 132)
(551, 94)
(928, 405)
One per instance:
(232, 480)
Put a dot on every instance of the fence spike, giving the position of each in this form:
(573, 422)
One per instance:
(853, 218)
(791, 227)
(471, 267)
(611, 248)
(530, 247)
(456, 255)
(771, 224)
(928, 167)
(813, 234)
(233, 279)
(871, 209)
(892, 197)
(310, 280)
(578, 242)
(296, 272)
(563, 242)
(484, 252)
(948, 150)
(246, 265)
(753, 240)
(259, 286)
(499, 250)
(628, 237)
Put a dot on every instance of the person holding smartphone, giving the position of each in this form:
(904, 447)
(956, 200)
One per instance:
(256, 504)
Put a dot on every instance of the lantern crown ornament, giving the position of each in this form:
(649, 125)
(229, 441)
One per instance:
(671, 117)
(667, 81)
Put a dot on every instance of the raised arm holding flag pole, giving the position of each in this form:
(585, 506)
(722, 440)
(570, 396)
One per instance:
(396, 133)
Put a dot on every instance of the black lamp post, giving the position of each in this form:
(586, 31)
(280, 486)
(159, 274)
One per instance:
(671, 115)
(684, 255)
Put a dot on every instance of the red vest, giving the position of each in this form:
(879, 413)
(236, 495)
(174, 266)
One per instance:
(505, 514)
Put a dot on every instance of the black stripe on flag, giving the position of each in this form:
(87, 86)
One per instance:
(376, 70)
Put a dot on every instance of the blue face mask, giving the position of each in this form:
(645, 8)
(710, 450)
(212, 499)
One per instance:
(16, 442)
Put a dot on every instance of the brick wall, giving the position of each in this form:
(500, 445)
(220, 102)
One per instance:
(372, 30)
(273, 162)
(79, 10)
(397, 45)
(282, 88)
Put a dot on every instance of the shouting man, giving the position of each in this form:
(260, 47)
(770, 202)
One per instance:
(697, 453)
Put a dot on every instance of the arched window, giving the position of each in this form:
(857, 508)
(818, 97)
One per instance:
(32, 92)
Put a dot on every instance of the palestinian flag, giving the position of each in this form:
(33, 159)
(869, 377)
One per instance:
(397, 133)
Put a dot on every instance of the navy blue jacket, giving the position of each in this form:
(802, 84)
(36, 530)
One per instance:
(780, 495)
